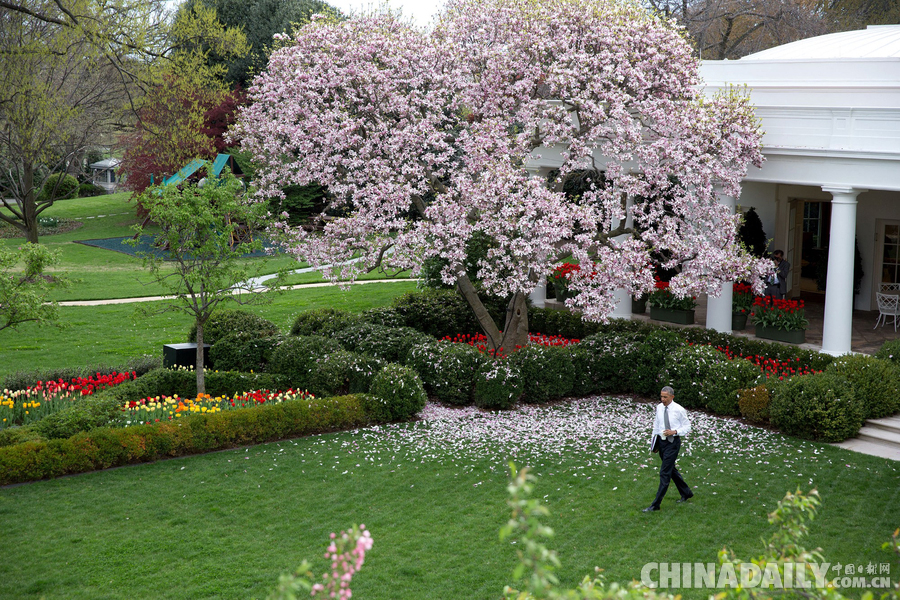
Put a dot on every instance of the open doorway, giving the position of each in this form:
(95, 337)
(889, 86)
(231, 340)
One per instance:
(815, 229)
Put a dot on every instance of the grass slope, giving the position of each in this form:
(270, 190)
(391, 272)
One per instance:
(225, 525)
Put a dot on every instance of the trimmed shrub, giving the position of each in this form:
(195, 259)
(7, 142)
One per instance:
(89, 190)
(651, 355)
(331, 374)
(108, 447)
(754, 404)
(22, 380)
(819, 407)
(498, 384)
(387, 343)
(441, 313)
(10, 436)
(875, 383)
(551, 321)
(890, 350)
(323, 321)
(396, 394)
(59, 186)
(608, 360)
(232, 321)
(547, 372)
(723, 383)
(686, 370)
(447, 369)
(383, 315)
(242, 351)
(295, 357)
(92, 412)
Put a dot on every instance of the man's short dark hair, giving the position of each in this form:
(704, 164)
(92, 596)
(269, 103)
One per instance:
(778, 253)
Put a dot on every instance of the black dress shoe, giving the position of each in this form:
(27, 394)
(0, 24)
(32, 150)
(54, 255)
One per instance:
(684, 499)
(650, 509)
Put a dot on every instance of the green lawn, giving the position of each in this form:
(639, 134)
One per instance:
(225, 525)
(111, 334)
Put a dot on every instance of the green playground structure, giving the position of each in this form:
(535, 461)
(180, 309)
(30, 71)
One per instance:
(220, 162)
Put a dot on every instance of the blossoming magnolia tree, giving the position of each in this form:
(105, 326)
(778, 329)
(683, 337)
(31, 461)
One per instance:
(427, 138)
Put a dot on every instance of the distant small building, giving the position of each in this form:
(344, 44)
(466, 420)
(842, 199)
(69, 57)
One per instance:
(104, 174)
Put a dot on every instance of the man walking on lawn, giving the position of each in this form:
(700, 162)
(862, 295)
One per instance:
(670, 425)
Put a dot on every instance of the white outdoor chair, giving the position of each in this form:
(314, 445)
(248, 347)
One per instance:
(890, 288)
(888, 306)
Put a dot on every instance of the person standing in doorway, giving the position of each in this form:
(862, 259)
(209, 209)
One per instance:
(669, 426)
(782, 268)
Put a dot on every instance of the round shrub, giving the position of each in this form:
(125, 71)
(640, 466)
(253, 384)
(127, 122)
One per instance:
(723, 383)
(686, 369)
(754, 404)
(820, 407)
(231, 321)
(383, 315)
(608, 359)
(295, 357)
(387, 343)
(242, 351)
(498, 384)
(875, 383)
(89, 190)
(363, 369)
(547, 372)
(322, 321)
(401, 390)
(890, 350)
(59, 186)
(436, 312)
(331, 374)
(449, 369)
(651, 354)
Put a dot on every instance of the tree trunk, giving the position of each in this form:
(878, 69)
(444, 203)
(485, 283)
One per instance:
(29, 210)
(201, 379)
(515, 333)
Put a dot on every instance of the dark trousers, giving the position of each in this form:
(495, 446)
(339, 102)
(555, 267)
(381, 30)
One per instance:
(668, 453)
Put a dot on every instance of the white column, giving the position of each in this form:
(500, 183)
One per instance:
(538, 296)
(623, 296)
(837, 329)
(718, 309)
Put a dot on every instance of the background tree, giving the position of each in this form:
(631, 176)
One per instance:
(259, 20)
(752, 234)
(23, 293)
(204, 233)
(424, 140)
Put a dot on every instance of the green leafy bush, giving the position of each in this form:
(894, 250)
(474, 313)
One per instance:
(441, 313)
(547, 372)
(59, 186)
(551, 321)
(498, 385)
(295, 357)
(686, 370)
(230, 321)
(398, 394)
(724, 382)
(383, 315)
(651, 355)
(89, 190)
(242, 351)
(10, 436)
(754, 404)
(875, 383)
(605, 362)
(819, 407)
(108, 447)
(890, 350)
(387, 343)
(323, 321)
(92, 412)
(447, 370)
(331, 374)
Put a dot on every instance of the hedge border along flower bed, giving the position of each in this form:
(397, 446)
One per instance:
(107, 447)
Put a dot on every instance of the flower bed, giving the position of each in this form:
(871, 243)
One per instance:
(771, 367)
(32, 404)
(166, 408)
(479, 341)
(662, 297)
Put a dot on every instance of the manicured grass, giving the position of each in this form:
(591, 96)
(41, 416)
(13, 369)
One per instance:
(111, 334)
(432, 493)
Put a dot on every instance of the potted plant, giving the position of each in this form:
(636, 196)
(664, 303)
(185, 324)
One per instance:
(741, 305)
(560, 279)
(780, 320)
(639, 304)
(666, 306)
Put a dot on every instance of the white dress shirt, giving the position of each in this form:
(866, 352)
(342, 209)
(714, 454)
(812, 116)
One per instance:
(678, 420)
